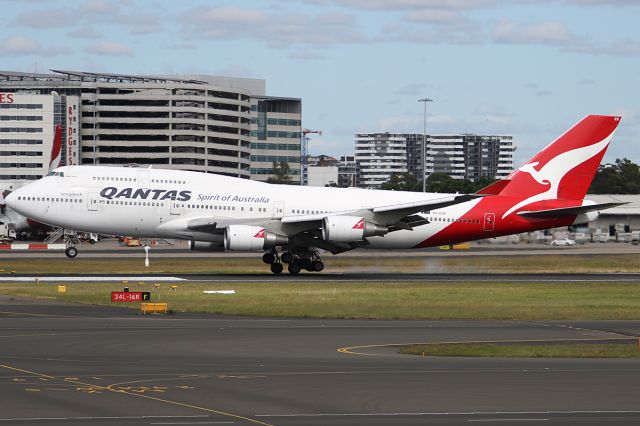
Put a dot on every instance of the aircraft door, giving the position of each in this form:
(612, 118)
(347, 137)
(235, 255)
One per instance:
(278, 209)
(92, 202)
(143, 179)
(489, 221)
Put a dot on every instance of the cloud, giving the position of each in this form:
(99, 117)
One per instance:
(277, 30)
(47, 18)
(23, 46)
(547, 33)
(620, 48)
(85, 32)
(98, 7)
(109, 48)
(435, 16)
(410, 4)
(89, 14)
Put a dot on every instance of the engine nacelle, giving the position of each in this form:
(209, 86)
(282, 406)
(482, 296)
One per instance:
(206, 245)
(247, 237)
(344, 229)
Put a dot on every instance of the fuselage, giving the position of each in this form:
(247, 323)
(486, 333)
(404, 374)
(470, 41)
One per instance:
(152, 203)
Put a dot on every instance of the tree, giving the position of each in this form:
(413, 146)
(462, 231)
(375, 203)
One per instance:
(622, 177)
(403, 182)
(436, 182)
(280, 172)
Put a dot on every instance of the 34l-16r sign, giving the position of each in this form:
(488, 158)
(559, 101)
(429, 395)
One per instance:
(130, 296)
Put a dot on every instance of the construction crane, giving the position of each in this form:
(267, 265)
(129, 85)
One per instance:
(304, 148)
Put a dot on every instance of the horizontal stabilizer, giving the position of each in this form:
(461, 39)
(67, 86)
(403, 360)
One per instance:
(568, 211)
(495, 188)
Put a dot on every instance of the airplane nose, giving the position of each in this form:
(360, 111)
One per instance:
(10, 200)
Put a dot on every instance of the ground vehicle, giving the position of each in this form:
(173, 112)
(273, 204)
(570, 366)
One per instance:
(563, 242)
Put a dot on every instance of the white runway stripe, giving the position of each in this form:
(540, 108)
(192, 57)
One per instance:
(9, 278)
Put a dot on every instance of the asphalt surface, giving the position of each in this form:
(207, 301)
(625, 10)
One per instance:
(89, 365)
(345, 277)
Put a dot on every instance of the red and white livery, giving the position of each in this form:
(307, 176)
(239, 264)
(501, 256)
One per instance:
(290, 223)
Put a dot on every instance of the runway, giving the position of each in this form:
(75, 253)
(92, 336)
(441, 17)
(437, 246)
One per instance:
(72, 364)
(344, 277)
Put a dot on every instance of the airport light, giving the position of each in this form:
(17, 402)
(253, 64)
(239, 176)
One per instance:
(424, 144)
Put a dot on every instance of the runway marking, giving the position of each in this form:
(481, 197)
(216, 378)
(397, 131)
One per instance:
(88, 278)
(350, 349)
(29, 314)
(445, 413)
(508, 420)
(110, 388)
(151, 417)
(193, 423)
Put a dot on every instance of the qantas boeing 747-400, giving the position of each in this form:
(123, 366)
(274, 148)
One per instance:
(291, 223)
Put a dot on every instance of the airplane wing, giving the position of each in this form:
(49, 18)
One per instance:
(304, 230)
(567, 211)
(390, 214)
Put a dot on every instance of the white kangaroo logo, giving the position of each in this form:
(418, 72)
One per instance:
(552, 173)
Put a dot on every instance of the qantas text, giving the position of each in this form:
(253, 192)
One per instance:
(111, 192)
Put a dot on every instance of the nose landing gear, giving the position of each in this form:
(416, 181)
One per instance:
(70, 240)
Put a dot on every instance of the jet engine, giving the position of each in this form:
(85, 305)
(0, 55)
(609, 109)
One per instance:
(344, 229)
(246, 237)
(206, 245)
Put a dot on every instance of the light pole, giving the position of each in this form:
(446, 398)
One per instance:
(424, 143)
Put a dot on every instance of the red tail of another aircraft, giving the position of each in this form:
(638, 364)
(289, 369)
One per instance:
(56, 149)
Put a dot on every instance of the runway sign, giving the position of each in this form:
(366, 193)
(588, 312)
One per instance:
(130, 296)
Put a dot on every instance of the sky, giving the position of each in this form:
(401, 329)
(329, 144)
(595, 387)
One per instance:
(527, 68)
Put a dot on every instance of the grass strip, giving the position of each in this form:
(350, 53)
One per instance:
(411, 300)
(225, 265)
(525, 350)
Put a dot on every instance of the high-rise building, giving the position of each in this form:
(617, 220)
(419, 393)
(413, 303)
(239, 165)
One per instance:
(461, 156)
(378, 156)
(275, 136)
(199, 123)
(27, 126)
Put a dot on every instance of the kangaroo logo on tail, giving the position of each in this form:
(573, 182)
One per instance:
(552, 173)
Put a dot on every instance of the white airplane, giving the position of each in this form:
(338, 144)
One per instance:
(290, 223)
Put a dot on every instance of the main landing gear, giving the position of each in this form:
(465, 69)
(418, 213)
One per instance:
(296, 261)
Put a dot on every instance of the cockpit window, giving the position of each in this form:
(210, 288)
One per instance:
(60, 174)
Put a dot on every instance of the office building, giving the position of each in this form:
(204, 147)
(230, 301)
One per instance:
(27, 126)
(378, 156)
(201, 123)
(461, 156)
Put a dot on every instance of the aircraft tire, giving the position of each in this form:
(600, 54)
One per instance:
(318, 266)
(286, 257)
(71, 252)
(269, 258)
(294, 268)
(276, 268)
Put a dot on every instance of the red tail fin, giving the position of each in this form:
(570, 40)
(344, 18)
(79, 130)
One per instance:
(56, 149)
(565, 168)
